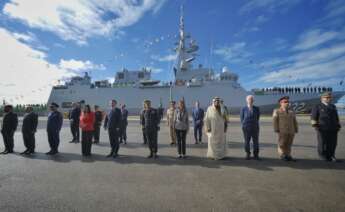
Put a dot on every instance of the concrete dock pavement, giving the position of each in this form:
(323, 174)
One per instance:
(70, 182)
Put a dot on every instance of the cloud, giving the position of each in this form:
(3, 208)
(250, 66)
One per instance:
(271, 6)
(280, 44)
(317, 56)
(315, 37)
(78, 20)
(261, 19)
(247, 29)
(135, 40)
(158, 6)
(30, 39)
(78, 65)
(234, 53)
(25, 37)
(334, 9)
(154, 70)
(334, 69)
(273, 63)
(310, 65)
(111, 79)
(27, 69)
(332, 14)
(166, 58)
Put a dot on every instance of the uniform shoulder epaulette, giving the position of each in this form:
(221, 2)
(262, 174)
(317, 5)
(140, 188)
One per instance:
(275, 112)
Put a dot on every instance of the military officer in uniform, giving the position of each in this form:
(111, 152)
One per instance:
(112, 123)
(29, 128)
(285, 124)
(8, 128)
(170, 121)
(324, 118)
(150, 121)
(54, 124)
(142, 126)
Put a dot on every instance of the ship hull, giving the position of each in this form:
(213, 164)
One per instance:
(133, 97)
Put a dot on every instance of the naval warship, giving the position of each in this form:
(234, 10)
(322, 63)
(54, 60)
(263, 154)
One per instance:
(190, 83)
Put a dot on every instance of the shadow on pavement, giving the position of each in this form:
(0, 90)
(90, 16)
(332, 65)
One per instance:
(265, 164)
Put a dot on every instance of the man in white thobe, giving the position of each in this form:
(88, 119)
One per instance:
(216, 126)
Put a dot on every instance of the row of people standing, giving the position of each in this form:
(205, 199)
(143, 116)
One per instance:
(74, 118)
(178, 123)
(9, 127)
(90, 124)
(324, 119)
(87, 121)
(216, 120)
(29, 127)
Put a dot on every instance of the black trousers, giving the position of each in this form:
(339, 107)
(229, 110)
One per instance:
(327, 143)
(114, 141)
(198, 131)
(251, 134)
(123, 132)
(8, 140)
(144, 136)
(96, 132)
(151, 137)
(86, 142)
(75, 130)
(181, 141)
(29, 141)
(54, 140)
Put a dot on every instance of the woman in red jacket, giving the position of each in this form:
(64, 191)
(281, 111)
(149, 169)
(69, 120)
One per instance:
(87, 120)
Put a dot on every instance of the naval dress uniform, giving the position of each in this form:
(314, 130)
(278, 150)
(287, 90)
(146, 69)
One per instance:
(8, 128)
(325, 120)
(54, 124)
(29, 127)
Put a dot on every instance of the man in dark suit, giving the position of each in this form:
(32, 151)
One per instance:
(112, 123)
(97, 125)
(198, 122)
(150, 121)
(250, 116)
(74, 116)
(54, 124)
(124, 123)
(325, 120)
(9, 127)
(29, 128)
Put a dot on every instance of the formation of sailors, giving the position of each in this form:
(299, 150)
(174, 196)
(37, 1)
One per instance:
(324, 118)
(293, 90)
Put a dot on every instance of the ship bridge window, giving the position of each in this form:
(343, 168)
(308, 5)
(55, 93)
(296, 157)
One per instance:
(66, 104)
(120, 75)
(140, 75)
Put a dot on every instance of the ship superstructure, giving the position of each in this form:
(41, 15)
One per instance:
(191, 83)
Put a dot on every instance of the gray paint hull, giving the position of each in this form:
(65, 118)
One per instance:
(133, 97)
